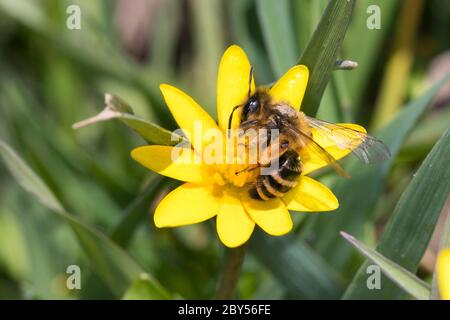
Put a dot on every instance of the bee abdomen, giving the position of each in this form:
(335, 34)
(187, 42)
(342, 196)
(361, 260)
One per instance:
(259, 190)
(281, 181)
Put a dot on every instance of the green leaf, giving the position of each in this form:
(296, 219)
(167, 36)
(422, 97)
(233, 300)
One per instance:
(49, 139)
(302, 22)
(298, 268)
(27, 178)
(14, 258)
(85, 48)
(143, 289)
(164, 41)
(208, 40)
(116, 108)
(365, 45)
(342, 100)
(358, 195)
(322, 51)
(113, 264)
(277, 27)
(243, 35)
(136, 211)
(425, 134)
(411, 226)
(402, 277)
(31, 13)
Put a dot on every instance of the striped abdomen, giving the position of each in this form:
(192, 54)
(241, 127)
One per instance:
(279, 182)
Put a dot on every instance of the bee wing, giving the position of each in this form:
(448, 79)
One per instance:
(365, 147)
(312, 147)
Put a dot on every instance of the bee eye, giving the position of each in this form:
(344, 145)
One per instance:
(253, 105)
(250, 107)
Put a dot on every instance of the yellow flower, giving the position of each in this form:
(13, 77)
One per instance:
(443, 273)
(215, 190)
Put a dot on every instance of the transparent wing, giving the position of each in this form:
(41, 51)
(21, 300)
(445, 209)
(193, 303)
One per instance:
(365, 147)
(312, 147)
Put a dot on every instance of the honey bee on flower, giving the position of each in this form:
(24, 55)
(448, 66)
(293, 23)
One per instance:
(238, 192)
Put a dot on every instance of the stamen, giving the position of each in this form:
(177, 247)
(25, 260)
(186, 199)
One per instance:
(219, 179)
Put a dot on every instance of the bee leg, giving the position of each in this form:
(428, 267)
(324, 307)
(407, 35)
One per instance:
(249, 124)
(247, 169)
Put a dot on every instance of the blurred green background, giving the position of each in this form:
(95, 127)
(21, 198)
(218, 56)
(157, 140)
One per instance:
(52, 77)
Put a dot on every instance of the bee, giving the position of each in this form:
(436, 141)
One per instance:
(296, 141)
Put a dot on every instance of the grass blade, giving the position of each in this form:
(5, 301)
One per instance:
(366, 183)
(27, 179)
(322, 50)
(142, 289)
(410, 228)
(100, 59)
(113, 264)
(402, 277)
(242, 32)
(298, 268)
(399, 65)
(209, 43)
(277, 27)
(136, 211)
(366, 44)
(165, 40)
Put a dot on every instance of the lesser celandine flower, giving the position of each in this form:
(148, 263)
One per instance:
(214, 190)
(443, 273)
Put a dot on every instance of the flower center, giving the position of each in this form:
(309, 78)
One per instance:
(239, 165)
(238, 174)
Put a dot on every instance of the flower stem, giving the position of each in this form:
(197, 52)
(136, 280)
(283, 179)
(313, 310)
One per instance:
(231, 271)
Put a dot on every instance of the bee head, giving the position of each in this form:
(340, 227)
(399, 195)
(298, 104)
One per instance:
(251, 107)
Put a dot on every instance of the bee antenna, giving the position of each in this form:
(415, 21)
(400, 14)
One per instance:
(230, 119)
(250, 78)
(248, 169)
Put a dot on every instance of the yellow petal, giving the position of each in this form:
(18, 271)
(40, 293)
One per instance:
(353, 126)
(161, 160)
(190, 116)
(271, 215)
(232, 83)
(443, 273)
(310, 195)
(187, 204)
(234, 226)
(291, 87)
(312, 162)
